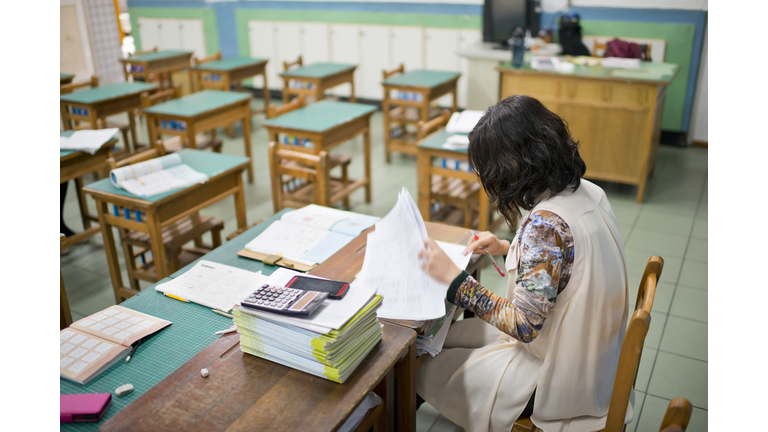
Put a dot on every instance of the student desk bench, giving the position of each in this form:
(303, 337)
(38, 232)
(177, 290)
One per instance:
(320, 77)
(224, 179)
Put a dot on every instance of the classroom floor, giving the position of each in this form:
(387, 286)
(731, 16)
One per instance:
(672, 223)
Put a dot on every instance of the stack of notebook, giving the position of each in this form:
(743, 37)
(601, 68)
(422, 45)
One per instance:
(330, 343)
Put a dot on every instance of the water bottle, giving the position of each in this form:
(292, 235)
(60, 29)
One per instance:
(518, 48)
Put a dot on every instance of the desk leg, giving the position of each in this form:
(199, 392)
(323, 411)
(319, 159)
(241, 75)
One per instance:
(158, 248)
(455, 99)
(286, 95)
(65, 117)
(109, 248)
(82, 203)
(240, 214)
(483, 211)
(266, 92)
(387, 128)
(191, 141)
(230, 130)
(132, 125)
(405, 374)
(367, 155)
(247, 139)
(352, 97)
(424, 187)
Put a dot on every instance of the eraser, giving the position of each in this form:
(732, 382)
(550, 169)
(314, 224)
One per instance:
(204, 372)
(124, 389)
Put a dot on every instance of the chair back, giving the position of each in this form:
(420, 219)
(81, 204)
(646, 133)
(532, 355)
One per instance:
(388, 73)
(677, 416)
(147, 99)
(632, 346)
(208, 59)
(598, 46)
(155, 151)
(69, 88)
(143, 52)
(311, 168)
(425, 128)
(298, 102)
(299, 62)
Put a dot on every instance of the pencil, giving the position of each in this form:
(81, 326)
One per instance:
(176, 297)
(222, 313)
(488, 254)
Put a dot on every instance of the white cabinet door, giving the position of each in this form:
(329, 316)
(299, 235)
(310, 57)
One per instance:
(374, 58)
(193, 37)
(407, 47)
(345, 48)
(170, 36)
(149, 33)
(315, 43)
(466, 38)
(287, 43)
(260, 36)
(440, 46)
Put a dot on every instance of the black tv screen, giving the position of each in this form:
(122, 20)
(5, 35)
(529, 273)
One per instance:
(501, 18)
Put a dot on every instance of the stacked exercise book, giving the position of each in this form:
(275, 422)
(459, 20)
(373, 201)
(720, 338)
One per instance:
(330, 343)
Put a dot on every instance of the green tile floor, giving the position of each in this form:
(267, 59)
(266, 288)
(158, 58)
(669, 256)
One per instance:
(672, 222)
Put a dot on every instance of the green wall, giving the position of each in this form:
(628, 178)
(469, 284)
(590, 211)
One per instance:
(207, 15)
(679, 38)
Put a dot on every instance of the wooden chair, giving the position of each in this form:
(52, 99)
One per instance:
(677, 416)
(454, 192)
(631, 351)
(299, 62)
(604, 45)
(177, 143)
(175, 236)
(208, 59)
(93, 83)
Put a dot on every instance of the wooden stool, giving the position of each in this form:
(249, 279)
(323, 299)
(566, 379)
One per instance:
(177, 143)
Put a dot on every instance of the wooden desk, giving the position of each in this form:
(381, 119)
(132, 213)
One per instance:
(225, 179)
(321, 76)
(426, 86)
(101, 102)
(201, 112)
(430, 148)
(65, 78)
(615, 113)
(221, 74)
(328, 124)
(144, 66)
(74, 165)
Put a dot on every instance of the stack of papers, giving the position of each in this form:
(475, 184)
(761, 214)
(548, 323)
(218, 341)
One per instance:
(464, 121)
(156, 176)
(618, 62)
(88, 141)
(431, 339)
(330, 343)
(457, 142)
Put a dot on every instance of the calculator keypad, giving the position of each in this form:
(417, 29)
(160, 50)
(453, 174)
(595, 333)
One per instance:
(274, 297)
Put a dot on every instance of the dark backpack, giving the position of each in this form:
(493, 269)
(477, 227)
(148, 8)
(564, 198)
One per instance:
(624, 49)
(570, 39)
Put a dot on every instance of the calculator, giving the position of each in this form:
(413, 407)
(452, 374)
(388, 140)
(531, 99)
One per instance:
(284, 300)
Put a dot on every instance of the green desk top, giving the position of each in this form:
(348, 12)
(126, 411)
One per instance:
(197, 103)
(64, 75)
(110, 91)
(159, 55)
(321, 116)
(317, 70)
(436, 141)
(648, 71)
(229, 64)
(208, 163)
(421, 78)
(63, 153)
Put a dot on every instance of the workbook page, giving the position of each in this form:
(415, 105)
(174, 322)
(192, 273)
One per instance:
(83, 355)
(120, 325)
(331, 219)
(299, 243)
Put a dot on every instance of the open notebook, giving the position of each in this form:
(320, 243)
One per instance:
(91, 345)
(156, 176)
(306, 237)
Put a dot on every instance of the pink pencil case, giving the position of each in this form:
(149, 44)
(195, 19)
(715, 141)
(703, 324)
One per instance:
(75, 408)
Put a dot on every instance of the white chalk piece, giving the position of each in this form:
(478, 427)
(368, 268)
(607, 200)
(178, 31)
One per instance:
(204, 372)
(124, 389)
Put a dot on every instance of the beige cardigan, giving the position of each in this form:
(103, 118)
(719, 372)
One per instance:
(483, 378)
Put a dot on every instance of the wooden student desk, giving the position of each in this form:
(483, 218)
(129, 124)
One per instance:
(614, 113)
(430, 148)
(201, 112)
(65, 78)
(221, 74)
(101, 102)
(225, 179)
(321, 76)
(328, 124)
(142, 67)
(75, 164)
(427, 86)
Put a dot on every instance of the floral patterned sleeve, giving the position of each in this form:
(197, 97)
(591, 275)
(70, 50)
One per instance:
(546, 259)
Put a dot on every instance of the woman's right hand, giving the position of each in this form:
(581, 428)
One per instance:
(491, 243)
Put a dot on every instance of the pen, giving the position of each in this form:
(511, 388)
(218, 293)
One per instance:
(176, 297)
(222, 313)
(133, 350)
(229, 330)
(488, 254)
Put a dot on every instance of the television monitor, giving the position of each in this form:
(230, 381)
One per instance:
(502, 17)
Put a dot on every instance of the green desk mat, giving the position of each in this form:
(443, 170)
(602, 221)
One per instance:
(67, 133)
(421, 78)
(437, 140)
(316, 70)
(192, 330)
(321, 116)
(106, 92)
(159, 55)
(229, 63)
(206, 162)
(227, 253)
(197, 103)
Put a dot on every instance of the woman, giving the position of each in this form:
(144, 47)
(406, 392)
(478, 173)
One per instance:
(558, 333)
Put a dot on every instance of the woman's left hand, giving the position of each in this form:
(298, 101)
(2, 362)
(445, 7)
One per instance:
(436, 263)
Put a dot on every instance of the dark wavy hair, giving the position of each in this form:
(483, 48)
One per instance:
(523, 153)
